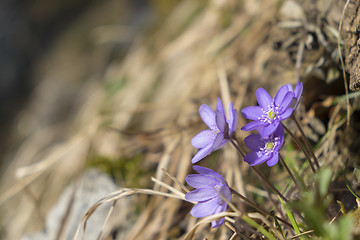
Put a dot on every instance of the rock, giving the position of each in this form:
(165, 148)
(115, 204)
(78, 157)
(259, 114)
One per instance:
(93, 186)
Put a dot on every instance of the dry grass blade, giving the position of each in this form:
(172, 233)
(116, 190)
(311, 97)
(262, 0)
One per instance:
(176, 180)
(200, 51)
(267, 223)
(166, 186)
(343, 65)
(302, 234)
(125, 192)
(190, 235)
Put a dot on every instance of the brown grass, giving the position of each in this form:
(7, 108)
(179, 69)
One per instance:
(202, 50)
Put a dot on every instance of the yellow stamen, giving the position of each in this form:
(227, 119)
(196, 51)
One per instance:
(269, 145)
(271, 114)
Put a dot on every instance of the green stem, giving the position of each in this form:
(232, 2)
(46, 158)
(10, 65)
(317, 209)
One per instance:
(261, 229)
(257, 207)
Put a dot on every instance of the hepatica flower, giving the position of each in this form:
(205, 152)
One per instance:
(270, 112)
(208, 184)
(264, 149)
(220, 127)
(297, 94)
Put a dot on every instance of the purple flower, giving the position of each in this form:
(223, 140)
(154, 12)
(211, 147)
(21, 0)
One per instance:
(208, 185)
(270, 113)
(297, 92)
(264, 149)
(214, 138)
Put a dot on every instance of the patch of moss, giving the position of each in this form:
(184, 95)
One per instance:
(128, 171)
(112, 87)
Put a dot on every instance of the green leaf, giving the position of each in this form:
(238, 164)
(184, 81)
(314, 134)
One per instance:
(258, 227)
(291, 217)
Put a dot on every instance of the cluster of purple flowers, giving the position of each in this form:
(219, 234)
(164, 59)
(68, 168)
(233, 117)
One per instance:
(211, 188)
(267, 119)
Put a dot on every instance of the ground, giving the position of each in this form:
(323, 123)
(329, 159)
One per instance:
(120, 93)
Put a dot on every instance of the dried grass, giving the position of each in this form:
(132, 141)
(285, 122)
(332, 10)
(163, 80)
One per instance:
(188, 61)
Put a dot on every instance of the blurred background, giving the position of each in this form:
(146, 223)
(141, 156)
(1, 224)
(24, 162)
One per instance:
(99, 95)
(35, 32)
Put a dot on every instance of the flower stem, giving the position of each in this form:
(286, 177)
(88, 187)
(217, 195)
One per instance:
(257, 207)
(237, 147)
(269, 184)
(307, 143)
(308, 158)
(290, 173)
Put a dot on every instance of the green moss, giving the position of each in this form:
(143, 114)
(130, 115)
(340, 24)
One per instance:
(128, 171)
(112, 87)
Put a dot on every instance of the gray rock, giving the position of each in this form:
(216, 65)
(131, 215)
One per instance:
(93, 186)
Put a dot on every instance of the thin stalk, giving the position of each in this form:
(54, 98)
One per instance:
(290, 173)
(308, 158)
(269, 184)
(257, 207)
(307, 143)
(237, 147)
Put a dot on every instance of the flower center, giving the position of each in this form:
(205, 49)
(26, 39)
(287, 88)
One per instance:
(269, 145)
(214, 131)
(270, 114)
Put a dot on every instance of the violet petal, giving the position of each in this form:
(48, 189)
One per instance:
(279, 97)
(254, 142)
(268, 129)
(223, 142)
(201, 194)
(252, 112)
(203, 152)
(220, 120)
(201, 181)
(204, 209)
(286, 114)
(234, 119)
(273, 160)
(298, 89)
(289, 87)
(202, 139)
(252, 125)
(218, 222)
(263, 98)
(259, 160)
(218, 140)
(220, 107)
(251, 157)
(286, 101)
(207, 115)
(208, 172)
